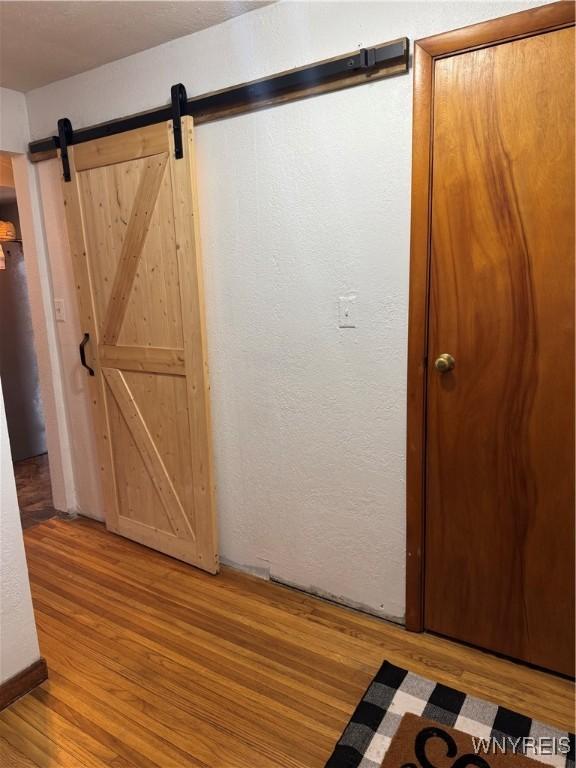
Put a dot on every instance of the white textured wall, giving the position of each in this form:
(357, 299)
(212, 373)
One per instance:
(18, 640)
(300, 204)
(13, 121)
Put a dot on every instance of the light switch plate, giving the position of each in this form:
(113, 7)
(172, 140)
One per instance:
(59, 310)
(347, 312)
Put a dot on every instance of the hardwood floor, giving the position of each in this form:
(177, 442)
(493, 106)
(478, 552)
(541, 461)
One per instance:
(153, 663)
(34, 491)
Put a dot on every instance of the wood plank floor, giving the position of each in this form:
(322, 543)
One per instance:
(153, 663)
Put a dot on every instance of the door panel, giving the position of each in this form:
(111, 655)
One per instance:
(499, 561)
(132, 222)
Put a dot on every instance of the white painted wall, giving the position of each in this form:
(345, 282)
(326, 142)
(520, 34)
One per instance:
(14, 131)
(300, 204)
(18, 639)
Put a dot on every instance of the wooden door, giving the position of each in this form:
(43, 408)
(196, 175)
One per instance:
(499, 558)
(133, 227)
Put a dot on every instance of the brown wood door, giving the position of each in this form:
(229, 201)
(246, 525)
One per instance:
(499, 556)
(133, 227)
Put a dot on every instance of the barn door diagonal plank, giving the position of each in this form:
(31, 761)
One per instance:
(136, 232)
(150, 454)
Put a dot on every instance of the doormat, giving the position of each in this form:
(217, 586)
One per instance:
(421, 742)
(395, 692)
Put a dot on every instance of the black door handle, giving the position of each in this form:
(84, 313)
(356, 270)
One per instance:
(83, 343)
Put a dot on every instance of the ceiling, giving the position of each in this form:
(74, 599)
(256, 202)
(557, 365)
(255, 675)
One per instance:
(44, 41)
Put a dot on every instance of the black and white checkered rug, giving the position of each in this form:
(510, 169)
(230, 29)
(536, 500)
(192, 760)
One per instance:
(395, 691)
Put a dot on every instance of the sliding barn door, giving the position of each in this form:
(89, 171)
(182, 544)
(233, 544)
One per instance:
(133, 228)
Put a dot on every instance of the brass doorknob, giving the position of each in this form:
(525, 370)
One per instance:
(444, 363)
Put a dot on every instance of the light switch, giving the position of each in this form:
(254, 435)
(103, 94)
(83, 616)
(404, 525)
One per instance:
(59, 310)
(347, 311)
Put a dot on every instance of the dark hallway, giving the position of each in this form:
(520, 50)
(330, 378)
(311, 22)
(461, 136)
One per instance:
(34, 492)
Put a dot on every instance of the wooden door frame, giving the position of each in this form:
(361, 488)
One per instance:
(544, 18)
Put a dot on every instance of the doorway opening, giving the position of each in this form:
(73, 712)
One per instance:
(18, 364)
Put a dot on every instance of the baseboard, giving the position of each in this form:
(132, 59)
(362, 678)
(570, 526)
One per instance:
(22, 683)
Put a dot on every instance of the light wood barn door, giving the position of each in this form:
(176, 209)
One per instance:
(133, 228)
